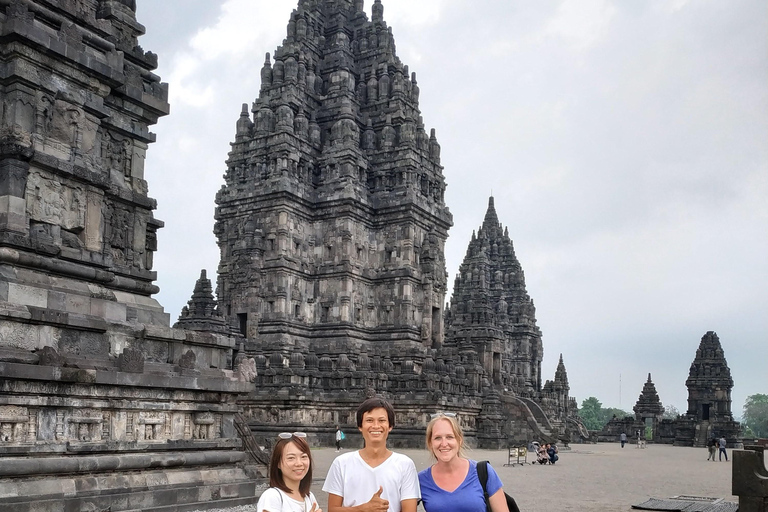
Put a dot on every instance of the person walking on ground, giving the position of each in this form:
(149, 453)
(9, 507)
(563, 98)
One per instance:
(452, 483)
(623, 439)
(339, 438)
(290, 475)
(374, 479)
(722, 450)
(712, 447)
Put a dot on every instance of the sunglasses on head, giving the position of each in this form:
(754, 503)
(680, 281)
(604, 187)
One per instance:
(442, 414)
(288, 435)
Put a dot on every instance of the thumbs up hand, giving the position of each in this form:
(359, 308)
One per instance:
(377, 503)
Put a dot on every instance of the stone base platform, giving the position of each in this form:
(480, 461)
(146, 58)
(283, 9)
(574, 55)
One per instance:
(162, 490)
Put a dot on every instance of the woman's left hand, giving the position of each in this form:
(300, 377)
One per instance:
(315, 508)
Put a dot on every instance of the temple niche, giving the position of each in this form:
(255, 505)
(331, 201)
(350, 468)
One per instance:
(332, 225)
(102, 404)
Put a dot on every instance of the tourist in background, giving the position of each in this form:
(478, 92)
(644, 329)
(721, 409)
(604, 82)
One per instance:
(374, 479)
(722, 444)
(290, 475)
(712, 448)
(339, 437)
(623, 439)
(541, 454)
(552, 453)
(451, 484)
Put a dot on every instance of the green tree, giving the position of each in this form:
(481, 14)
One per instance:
(595, 416)
(756, 414)
(610, 412)
(590, 413)
(671, 412)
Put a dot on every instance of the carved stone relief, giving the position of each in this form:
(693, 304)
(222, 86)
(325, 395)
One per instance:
(52, 202)
(13, 424)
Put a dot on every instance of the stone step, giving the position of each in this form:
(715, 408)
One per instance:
(200, 505)
(166, 499)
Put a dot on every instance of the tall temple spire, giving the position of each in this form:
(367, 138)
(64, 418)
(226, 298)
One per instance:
(333, 178)
(489, 299)
(491, 220)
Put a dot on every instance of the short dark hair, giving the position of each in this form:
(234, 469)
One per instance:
(276, 476)
(374, 403)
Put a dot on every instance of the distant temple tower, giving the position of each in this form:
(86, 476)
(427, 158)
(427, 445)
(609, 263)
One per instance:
(332, 222)
(648, 409)
(709, 397)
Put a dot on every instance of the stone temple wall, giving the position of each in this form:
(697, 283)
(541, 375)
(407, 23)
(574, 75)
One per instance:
(101, 402)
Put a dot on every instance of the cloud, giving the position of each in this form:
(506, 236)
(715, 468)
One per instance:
(581, 23)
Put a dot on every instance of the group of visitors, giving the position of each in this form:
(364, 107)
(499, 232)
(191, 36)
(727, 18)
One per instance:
(712, 447)
(547, 453)
(376, 479)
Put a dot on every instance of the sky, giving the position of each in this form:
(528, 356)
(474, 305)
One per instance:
(625, 144)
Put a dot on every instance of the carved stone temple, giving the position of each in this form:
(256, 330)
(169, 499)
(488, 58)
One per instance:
(709, 398)
(709, 405)
(102, 404)
(332, 226)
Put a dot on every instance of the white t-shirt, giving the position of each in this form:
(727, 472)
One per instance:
(275, 500)
(356, 482)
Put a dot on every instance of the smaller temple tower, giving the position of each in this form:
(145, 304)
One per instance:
(649, 410)
(709, 397)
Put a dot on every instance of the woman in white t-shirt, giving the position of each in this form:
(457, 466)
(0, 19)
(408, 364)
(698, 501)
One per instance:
(290, 475)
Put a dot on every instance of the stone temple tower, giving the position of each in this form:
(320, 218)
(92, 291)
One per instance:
(491, 314)
(332, 227)
(332, 222)
(709, 397)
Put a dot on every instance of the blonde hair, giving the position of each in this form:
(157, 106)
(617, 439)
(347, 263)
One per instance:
(457, 432)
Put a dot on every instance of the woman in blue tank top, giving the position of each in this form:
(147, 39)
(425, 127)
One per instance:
(451, 484)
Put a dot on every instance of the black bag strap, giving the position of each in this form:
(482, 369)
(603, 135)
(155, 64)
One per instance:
(482, 475)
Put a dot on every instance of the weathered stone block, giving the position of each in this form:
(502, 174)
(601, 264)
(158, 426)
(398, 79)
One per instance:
(108, 310)
(18, 335)
(27, 295)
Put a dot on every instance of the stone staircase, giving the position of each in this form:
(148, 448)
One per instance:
(540, 421)
(702, 434)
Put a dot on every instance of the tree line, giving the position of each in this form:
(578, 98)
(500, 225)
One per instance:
(754, 419)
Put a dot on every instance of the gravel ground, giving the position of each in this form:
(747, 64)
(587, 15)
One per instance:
(588, 478)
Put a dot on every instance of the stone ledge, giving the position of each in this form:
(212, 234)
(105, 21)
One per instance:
(26, 467)
(116, 447)
(58, 374)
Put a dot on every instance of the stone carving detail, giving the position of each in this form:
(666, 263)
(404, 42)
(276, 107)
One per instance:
(83, 425)
(13, 424)
(206, 426)
(131, 361)
(52, 202)
(117, 152)
(154, 426)
(188, 360)
(49, 357)
(246, 369)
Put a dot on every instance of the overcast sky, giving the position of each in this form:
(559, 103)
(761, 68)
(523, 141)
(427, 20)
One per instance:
(625, 143)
